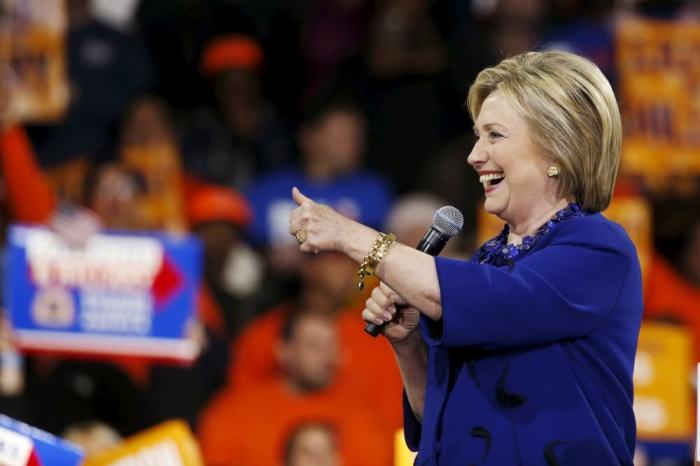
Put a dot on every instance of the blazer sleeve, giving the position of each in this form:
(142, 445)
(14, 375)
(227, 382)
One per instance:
(564, 290)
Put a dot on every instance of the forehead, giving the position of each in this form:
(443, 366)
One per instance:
(313, 326)
(497, 109)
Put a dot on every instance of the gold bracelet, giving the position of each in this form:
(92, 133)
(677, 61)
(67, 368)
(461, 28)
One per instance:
(374, 257)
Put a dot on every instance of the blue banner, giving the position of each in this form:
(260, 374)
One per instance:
(120, 294)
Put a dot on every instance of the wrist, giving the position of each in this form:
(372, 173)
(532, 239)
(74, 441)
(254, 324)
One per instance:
(408, 346)
(357, 241)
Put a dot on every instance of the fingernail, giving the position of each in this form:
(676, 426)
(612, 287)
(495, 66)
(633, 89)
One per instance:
(392, 309)
(387, 316)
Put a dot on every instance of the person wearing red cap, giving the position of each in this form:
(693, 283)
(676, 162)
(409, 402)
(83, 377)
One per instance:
(217, 215)
(230, 52)
(239, 133)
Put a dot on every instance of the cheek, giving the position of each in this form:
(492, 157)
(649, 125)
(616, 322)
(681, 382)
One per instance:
(529, 180)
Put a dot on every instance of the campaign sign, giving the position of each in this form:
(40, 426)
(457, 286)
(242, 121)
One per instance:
(128, 295)
(33, 55)
(23, 445)
(167, 444)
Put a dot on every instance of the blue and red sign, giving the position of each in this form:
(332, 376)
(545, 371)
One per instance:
(24, 445)
(129, 295)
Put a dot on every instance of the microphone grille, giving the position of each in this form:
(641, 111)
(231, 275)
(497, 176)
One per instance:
(448, 220)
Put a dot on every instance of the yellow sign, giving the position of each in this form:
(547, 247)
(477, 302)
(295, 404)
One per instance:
(169, 444)
(662, 392)
(402, 455)
(659, 77)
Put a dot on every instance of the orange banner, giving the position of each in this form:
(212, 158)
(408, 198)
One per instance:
(659, 91)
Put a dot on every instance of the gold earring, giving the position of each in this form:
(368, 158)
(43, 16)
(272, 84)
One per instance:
(552, 171)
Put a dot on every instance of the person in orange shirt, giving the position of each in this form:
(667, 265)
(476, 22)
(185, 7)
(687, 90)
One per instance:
(327, 287)
(312, 444)
(249, 425)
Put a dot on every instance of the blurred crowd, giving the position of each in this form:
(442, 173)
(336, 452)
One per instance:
(200, 115)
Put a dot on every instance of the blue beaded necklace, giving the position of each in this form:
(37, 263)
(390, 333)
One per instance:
(498, 252)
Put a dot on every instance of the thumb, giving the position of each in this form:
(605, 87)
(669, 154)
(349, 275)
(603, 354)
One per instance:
(298, 197)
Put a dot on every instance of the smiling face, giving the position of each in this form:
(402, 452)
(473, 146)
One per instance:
(510, 166)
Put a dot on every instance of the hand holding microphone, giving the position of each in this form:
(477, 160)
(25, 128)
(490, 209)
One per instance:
(447, 222)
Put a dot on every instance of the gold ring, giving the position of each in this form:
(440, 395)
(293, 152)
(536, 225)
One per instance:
(300, 235)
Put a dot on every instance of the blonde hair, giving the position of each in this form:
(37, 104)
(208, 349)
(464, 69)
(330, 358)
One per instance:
(571, 110)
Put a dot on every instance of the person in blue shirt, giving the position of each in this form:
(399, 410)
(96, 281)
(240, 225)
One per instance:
(332, 141)
(524, 354)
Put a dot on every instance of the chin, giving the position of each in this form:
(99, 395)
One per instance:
(494, 207)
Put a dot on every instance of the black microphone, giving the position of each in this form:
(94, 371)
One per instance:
(447, 222)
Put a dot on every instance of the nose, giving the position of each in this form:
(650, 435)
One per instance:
(477, 156)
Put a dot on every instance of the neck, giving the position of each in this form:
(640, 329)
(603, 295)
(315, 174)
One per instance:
(298, 388)
(319, 301)
(528, 227)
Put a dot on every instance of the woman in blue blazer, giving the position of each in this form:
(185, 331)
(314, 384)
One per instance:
(523, 355)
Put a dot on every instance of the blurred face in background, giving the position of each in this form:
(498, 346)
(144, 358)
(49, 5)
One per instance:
(313, 445)
(517, 26)
(406, 7)
(147, 123)
(335, 144)
(239, 97)
(309, 358)
(525, 10)
(114, 198)
(218, 239)
(329, 281)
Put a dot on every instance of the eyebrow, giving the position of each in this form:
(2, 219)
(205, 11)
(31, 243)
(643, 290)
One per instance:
(488, 126)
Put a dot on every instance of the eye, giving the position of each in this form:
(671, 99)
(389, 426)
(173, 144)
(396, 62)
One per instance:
(495, 135)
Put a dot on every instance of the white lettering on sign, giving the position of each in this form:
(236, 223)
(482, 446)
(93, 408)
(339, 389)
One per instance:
(14, 448)
(112, 262)
(160, 454)
(651, 413)
(278, 220)
(118, 312)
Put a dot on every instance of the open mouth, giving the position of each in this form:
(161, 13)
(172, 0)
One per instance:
(492, 179)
